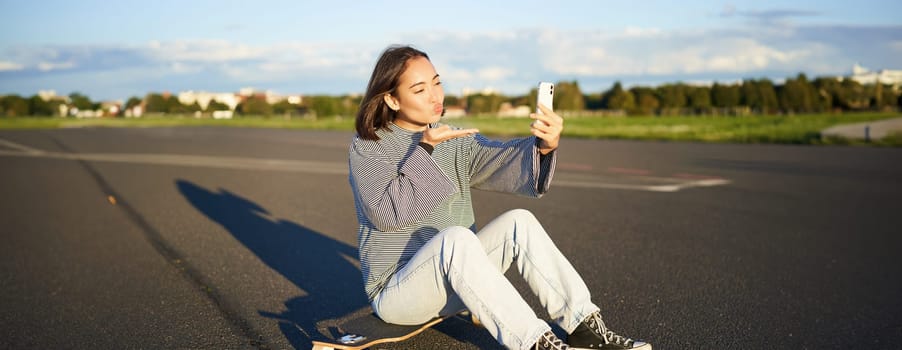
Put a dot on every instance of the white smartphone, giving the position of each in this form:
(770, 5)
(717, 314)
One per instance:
(545, 96)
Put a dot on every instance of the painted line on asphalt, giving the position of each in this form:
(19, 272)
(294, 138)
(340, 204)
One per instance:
(629, 171)
(651, 184)
(197, 161)
(20, 147)
(573, 166)
(635, 187)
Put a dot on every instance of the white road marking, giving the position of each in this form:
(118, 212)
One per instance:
(20, 147)
(637, 187)
(197, 161)
(562, 179)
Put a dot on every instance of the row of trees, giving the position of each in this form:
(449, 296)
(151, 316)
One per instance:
(156, 103)
(15, 105)
(751, 96)
(795, 95)
(316, 105)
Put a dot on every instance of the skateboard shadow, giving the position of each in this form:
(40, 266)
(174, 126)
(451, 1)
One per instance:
(322, 267)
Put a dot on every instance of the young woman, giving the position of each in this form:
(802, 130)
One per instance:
(420, 258)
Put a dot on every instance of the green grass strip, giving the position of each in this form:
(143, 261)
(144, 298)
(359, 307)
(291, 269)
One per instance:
(790, 129)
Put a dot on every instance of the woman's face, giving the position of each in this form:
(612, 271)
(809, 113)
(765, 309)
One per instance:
(419, 96)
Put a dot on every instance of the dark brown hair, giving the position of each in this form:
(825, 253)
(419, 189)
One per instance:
(374, 113)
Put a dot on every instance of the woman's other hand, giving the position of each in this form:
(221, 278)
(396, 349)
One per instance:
(435, 136)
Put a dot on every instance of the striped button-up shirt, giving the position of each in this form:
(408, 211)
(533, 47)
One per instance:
(404, 195)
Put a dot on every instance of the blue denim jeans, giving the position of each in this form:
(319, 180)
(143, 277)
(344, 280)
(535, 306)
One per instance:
(450, 273)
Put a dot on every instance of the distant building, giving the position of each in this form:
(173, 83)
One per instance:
(75, 112)
(50, 95)
(135, 111)
(454, 112)
(232, 100)
(110, 108)
(506, 110)
(203, 98)
(885, 76)
(269, 96)
(486, 91)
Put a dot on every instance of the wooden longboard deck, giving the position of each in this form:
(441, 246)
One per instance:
(369, 330)
(364, 331)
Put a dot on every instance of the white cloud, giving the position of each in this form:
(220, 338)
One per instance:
(637, 52)
(494, 73)
(254, 62)
(734, 55)
(896, 46)
(511, 61)
(49, 66)
(202, 51)
(6, 66)
(298, 61)
(638, 32)
(185, 68)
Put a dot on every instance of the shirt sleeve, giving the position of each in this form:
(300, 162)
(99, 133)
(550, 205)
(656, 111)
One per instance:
(514, 166)
(392, 197)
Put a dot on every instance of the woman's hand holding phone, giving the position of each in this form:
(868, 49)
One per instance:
(547, 126)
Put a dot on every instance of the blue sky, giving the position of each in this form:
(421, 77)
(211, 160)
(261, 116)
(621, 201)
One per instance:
(117, 49)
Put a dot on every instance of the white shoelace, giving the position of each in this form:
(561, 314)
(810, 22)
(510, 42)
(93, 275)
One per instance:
(551, 342)
(596, 324)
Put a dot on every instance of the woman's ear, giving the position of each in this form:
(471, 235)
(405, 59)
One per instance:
(392, 102)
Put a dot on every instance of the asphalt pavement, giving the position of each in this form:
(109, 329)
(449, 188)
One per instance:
(229, 238)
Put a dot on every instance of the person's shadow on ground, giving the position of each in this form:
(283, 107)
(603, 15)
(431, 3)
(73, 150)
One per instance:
(322, 267)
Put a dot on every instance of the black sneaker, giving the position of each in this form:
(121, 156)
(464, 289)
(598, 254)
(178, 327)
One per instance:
(549, 341)
(593, 334)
